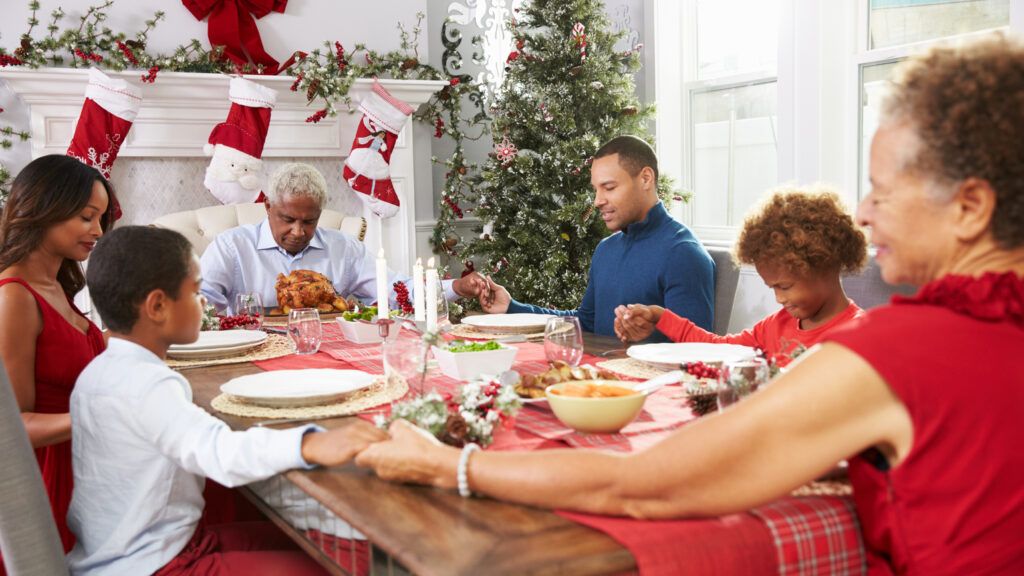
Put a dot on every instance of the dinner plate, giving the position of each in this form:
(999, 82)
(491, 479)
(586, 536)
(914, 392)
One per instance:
(211, 353)
(672, 355)
(497, 322)
(215, 339)
(287, 388)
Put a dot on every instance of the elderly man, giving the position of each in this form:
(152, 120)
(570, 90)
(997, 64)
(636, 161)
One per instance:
(651, 259)
(249, 258)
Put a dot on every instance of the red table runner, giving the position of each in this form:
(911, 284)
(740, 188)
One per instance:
(805, 536)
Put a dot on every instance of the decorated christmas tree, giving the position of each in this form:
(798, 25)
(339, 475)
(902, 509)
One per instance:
(566, 92)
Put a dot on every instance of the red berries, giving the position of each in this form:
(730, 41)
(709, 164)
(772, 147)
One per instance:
(240, 321)
(702, 370)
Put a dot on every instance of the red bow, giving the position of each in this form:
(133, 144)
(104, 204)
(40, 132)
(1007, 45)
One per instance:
(232, 25)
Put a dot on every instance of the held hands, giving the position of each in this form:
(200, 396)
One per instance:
(411, 455)
(498, 299)
(472, 285)
(339, 445)
(636, 322)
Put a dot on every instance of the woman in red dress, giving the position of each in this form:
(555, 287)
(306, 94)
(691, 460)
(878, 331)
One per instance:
(57, 210)
(927, 394)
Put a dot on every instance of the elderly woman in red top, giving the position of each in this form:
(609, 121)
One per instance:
(57, 210)
(928, 391)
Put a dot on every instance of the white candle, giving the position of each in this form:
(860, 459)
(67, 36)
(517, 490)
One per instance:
(382, 286)
(431, 303)
(418, 295)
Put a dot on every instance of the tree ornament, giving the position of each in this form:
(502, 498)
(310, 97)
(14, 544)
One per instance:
(505, 151)
(579, 36)
(629, 111)
(597, 85)
(467, 268)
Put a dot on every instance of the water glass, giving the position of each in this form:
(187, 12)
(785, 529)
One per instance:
(305, 330)
(739, 379)
(563, 340)
(404, 354)
(250, 306)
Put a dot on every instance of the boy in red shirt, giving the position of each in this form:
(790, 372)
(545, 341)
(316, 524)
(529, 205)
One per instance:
(800, 241)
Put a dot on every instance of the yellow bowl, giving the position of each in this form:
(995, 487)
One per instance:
(595, 415)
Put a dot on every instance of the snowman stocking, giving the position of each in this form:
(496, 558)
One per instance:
(367, 168)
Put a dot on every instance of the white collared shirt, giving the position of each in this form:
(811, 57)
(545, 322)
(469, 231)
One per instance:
(141, 451)
(248, 259)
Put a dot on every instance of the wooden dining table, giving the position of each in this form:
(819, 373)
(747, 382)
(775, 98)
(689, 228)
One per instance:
(427, 530)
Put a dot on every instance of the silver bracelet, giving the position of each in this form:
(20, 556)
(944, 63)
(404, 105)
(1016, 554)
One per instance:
(461, 476)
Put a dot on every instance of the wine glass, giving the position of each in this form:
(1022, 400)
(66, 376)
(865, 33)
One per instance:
(249, 305)
(563, 340)
(305, 330)
(442, 308)
(404, 354)
(740, 378)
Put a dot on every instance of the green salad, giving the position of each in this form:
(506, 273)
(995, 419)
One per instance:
(460, 346)
(367, 313)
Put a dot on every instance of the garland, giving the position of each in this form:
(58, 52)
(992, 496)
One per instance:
(324, 75)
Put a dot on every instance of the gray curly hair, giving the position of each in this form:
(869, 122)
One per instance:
(297, 179)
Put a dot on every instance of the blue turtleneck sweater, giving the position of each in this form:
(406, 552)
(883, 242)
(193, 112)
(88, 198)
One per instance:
(654, 261)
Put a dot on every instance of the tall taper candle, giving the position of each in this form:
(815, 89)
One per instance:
(383, 293)
(431, 303)
(418, 288)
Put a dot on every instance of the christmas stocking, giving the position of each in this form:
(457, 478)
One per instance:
(235, 174)
(107, 115)
(367, 168)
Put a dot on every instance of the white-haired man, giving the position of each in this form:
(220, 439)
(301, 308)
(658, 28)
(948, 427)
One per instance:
(249, 258)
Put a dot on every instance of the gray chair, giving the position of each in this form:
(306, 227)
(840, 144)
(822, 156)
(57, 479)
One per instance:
(727, 277)
(868, 289)
(28, 536)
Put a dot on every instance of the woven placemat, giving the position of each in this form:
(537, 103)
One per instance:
(632, 368)
(276, 346)
(282, 321)
(466, 331)
(380, 392)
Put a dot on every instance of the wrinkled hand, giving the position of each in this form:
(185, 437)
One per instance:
(339, 445)
(472, 285)
(636, 322)
(411, 455)
(498, 299)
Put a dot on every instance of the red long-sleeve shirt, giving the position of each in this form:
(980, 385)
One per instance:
(778, 335)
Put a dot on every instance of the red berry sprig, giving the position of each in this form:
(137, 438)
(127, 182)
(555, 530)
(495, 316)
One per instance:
(8, 60)
(295, 85)
(454, 206)
(702, 370)
(238, 321)
(127, 52)
(150, 76)
(438, 127)
(339, 55)
(402, 297)
(317, 116)
(88, 56)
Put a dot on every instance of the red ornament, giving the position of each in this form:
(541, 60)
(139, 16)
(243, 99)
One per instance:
(512, 56)
(454, 81)
(232, 24)
(468, 268)
(520, 44)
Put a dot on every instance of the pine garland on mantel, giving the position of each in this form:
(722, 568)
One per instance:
(324, 75)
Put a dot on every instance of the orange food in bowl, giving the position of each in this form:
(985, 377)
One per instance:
(591, 390)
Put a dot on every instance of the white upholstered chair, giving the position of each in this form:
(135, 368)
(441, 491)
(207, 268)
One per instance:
(202, 225)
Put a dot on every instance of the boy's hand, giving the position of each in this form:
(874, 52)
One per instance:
(340, 445)
(636, 322)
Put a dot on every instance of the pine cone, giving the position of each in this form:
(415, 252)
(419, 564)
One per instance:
(629, 111)
(409, 64)
(702, 404)
(456, 430)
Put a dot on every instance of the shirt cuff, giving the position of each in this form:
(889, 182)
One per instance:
(516, 307)
(449, 290)
(293, 438)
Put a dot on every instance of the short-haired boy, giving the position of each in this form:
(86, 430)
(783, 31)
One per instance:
(142, 449)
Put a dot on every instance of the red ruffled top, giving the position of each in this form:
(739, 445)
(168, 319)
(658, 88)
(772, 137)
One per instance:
(992, 297)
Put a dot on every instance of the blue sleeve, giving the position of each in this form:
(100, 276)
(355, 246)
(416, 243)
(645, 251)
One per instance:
(218, 269)
(690, 284)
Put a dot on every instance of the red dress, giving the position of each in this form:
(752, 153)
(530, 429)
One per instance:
(62, 352)
(952, 354)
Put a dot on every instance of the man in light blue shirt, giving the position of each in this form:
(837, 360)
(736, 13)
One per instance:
(249, 258)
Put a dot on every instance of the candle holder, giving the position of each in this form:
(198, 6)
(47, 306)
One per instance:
(384, 327)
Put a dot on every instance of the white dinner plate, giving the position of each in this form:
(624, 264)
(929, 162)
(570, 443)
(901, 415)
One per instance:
(210, 353)
(673, 354)
(497, 322)
(213, 339)
(280, 388)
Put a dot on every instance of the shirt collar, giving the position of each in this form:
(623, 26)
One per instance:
(123, 347)
(265, 240)
(655, 216)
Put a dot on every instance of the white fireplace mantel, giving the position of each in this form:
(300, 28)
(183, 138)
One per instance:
(180, 109)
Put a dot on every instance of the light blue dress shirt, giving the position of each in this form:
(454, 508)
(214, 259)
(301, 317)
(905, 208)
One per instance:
(248, 259)
(141, 453)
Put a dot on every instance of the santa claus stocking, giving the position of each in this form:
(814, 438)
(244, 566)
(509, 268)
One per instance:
(367, 168)
(235, 174)
(108, 112)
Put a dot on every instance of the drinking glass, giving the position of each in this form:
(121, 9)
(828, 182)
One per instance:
(739, 379)
(563, 340)
(305, 330)
(250, 306)
(404, 354)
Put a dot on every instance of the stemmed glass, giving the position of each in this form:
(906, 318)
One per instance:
(563, 340)
(404, 354)
(305, 330)
(250, 306)
(741, 378)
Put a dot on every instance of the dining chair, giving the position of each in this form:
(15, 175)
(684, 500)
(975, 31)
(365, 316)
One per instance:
(727, 278)
(28, 536)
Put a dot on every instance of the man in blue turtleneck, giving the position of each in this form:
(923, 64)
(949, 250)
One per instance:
(650, 258)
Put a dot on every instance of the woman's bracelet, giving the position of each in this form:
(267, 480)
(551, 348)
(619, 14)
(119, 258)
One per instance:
(462, 476)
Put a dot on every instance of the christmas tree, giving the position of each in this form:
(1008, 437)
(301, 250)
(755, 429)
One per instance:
(566, 92)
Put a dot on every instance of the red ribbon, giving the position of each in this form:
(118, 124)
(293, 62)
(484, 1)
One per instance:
(232, 24)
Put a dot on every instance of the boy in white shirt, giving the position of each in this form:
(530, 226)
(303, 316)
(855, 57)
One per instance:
(141, 449)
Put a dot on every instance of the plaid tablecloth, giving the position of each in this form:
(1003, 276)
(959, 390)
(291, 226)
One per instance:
(808, 535)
